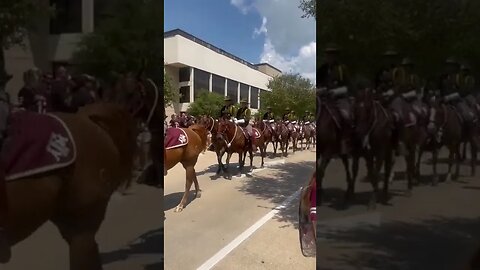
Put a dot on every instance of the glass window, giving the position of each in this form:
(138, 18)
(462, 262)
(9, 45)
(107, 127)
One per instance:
(67, 17)
(254, 98)
(218, 84)
(101, 11)
(232, 87)
(243, 91)
(201, 82)
(184, 74)
(185, 94)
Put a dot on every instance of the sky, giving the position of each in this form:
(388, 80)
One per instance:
(258, 31)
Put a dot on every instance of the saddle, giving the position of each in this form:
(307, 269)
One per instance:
(36, 143)
(174, 138)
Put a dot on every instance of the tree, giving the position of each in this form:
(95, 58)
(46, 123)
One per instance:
(169, 93)
(206, 103)
(289, 90)
(427, 31)
(131, 40)
(309, 8)
(17, 17)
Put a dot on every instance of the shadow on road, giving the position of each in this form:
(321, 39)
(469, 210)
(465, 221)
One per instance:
(150, 243)
(287, 178)
(438, 243)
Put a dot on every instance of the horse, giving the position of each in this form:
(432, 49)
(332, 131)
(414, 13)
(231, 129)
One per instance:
(268, 135)
(446, 124)
(283, 137)
(211, 125)
(231, 138)
(328, 141)
(309, 134)
(73, 194)
(187, 154)
(373, 140)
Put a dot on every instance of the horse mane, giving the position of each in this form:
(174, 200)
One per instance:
(202, 132)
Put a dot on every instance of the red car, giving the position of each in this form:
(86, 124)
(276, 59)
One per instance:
(307, 218)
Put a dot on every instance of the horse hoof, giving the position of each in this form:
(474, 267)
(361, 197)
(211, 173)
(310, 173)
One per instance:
(448, 179)
(178, 209)
(435, 181)
(372, 206)
(408, 193)
(199, 194)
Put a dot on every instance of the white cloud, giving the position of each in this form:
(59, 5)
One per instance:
(289, 39)
(241, 5)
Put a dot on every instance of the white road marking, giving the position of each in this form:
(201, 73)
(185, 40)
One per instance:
(246, 234)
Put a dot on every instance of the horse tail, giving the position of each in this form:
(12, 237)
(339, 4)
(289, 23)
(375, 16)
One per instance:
(202, 132)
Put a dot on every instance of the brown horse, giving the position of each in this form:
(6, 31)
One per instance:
(188, 155)
(267, 134)
(373, 136)
(295, 135)
(448, 129)
(309, 135)
(328, 142)
(283, 137)
(231, 138)
(211, 125)
(75, 197)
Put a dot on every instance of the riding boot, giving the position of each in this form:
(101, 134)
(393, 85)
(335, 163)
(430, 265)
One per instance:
(5, 252)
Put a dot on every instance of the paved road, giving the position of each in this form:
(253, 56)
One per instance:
(226, 211)
(437, 228)
(130, 238)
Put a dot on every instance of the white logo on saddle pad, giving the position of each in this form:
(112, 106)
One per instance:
(57, 146)
(182, 139)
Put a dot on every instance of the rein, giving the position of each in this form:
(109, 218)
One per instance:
(233, 138)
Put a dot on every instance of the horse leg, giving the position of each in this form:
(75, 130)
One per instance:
(457, 163)
(321, 173)
(410, 170)
(473, 159)
(190, 176)
(79, 232)
(451, 157)
(350, 184)
(434, 165)
(371, 175)
(190, 172)
(418, 163)
(227, 169)
(219, 160)
(463, 155)
(388, 171)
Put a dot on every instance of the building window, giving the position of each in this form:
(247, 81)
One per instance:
(232, 88)
(254, 98)
(244, 92)
(184, 74)
(201, 82)
(185, 94)
(67, 17)
(218, 84)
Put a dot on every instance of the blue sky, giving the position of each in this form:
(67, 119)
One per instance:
(219, 23)
(258, 31)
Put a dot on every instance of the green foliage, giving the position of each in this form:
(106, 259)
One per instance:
(427, 31)
(309, 8)
(289, 90)
(131, 40)
(17, 17)
(169, 93)
(206, 103)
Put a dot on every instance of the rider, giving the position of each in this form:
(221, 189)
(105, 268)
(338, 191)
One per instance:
(62, 87)
(334, 77)
(5, 110)
(244, 115)
(228, 110)
(286, 115)
(411, 85)
(450, 87)
(306, 118)
(390, 83)
(468, 87)
(268, 115)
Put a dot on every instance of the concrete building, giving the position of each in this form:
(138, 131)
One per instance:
(195, 65)
(54, 39)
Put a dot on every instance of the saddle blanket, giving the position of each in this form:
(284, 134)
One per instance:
(175, 137)
(36, 143)
(255, 131)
